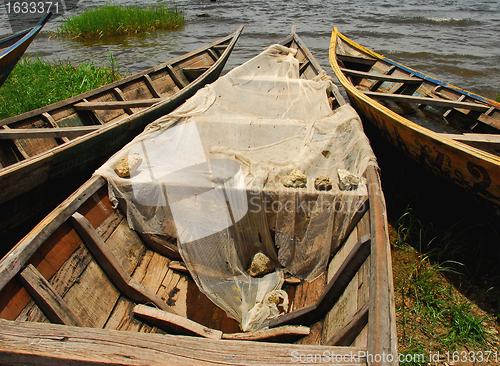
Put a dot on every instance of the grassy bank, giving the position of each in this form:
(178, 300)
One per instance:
(36, 82)
(114, 20)
(434, 314)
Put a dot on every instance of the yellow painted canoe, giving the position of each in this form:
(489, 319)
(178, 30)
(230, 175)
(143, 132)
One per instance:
(452, 132)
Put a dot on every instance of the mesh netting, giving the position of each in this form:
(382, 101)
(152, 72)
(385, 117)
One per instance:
(212, 173)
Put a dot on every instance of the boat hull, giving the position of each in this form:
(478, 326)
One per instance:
(475, 170)
(458, 164)
(34, 186)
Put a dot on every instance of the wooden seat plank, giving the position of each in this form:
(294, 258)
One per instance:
(378, 83)
(51, 303)
(151, 87)
(357, 59)
(52, 121)
(121, 96)
(118, 104)
(285, 332)
(382, 77)
(111, 266)
(175, 77)
(427, 101)
(172, 323)
(24, 133)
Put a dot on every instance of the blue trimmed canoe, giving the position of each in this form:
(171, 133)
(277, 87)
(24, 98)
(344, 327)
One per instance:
(13, 47)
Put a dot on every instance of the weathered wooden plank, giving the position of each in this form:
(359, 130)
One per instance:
(179, 267)
(351, 330)
(150, 273)
(383, 77)
(46, 116)
(122, 317)
(174, 292)
(281, 334)
(161, 244)
(378, 83)
(316, 336)
(343, 310)
(151, 86)
(427, 101)
(175, 324)
(356, 59)
(175, 77)
(52, 345)
(93, 296)
(121, 96)
(60, 246)
(18, 146)
(24, 133)
(382, 321)
(342, 253)
(110, 265)
(118, 104)
(51, 303)
(354, 222)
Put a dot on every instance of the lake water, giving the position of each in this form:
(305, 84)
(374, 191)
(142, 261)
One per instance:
(457, 41)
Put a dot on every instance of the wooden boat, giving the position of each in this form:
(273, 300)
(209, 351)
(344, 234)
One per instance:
(453, 132)
(14, 46)
(45, 152)
(80, 278)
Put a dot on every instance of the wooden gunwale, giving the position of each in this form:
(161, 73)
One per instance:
(79, 157)
(474, 169)
(35, 343)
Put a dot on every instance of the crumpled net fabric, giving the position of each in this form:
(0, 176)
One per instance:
(211, 180)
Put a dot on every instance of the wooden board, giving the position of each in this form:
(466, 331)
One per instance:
(52, 345)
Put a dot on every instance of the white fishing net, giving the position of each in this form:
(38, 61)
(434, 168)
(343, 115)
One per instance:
(211, 179)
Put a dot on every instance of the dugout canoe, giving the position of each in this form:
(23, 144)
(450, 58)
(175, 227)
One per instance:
(46, 151)
(82, 276)
(13, 47)
(452, 132)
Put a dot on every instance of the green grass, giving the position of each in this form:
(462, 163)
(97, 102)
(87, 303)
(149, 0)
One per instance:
(36, 82)
(427, 305)
(113, 20)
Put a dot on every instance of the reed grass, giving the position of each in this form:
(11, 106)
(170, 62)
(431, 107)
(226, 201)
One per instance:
(113, 20)
(36, 82)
